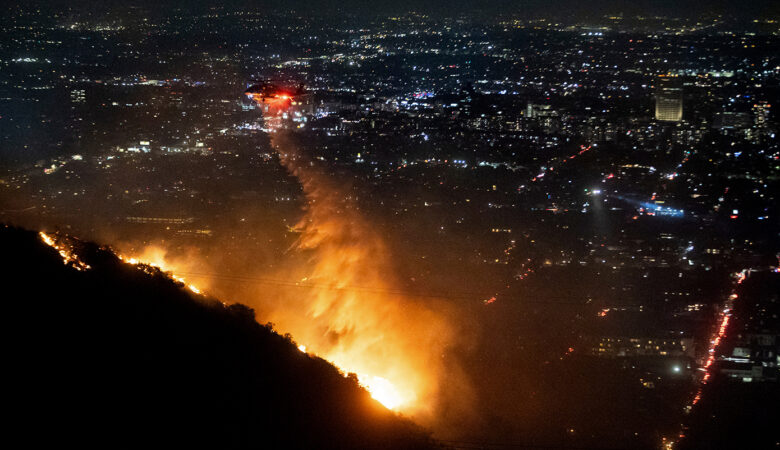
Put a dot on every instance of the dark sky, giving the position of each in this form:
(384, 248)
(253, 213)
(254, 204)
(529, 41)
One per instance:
(677, 7)
(582, 8)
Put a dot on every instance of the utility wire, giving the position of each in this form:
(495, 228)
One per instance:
(517, 446)
(462, 295)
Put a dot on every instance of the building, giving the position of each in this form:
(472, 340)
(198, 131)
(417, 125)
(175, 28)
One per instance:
(668, 99)
(761, 114)
(754, 359)
(761, 121)
(627, 346)
(731, 121)
(533, 111)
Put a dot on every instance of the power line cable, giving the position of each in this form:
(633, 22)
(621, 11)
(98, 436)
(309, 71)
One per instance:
(462, 295)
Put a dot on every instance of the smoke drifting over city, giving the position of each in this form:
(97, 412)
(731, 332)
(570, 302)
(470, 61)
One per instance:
(352, 315)
(523, 225)
(336, 293)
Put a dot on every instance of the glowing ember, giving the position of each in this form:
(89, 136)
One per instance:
(158, 262)
(391, 343)
(380, 388)
(69, 258)
(382, 391)
(394, 345)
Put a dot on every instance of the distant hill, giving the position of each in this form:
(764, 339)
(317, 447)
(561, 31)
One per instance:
(113, 356)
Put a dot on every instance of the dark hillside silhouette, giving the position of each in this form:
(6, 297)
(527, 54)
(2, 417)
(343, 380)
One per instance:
(113, 356)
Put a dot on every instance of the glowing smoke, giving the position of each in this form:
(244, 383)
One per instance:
(344, 306)
(336, 295)
(393, 344)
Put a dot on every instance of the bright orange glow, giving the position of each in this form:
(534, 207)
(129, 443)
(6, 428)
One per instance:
(380, 388)
(393, 344)
(379, 344)
(382, 391)
(156, 257)
(69, 258)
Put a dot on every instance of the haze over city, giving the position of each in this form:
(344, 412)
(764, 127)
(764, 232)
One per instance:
(510, 225)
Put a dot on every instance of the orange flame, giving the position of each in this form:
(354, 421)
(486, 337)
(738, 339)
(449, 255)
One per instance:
(156, 257)
(69, 257)
(390, 344)
(394, 345)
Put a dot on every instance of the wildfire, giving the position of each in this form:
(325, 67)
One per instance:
(69, 258)
(380, 388)
(391, 343)
(394, 345)
(156, 259)
(382, 391)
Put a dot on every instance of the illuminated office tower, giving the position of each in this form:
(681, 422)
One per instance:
(761, 126)
(668, 99)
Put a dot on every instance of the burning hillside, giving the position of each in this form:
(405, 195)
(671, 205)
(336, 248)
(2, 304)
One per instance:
(353, 317)
(143, 360)
(334, 293)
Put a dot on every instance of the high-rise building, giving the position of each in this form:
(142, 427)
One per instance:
(761, 126)
(668, 99)
(731, 121)
(534, 111)
(761, 114)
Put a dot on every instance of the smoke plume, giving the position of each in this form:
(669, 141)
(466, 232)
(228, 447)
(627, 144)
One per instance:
(351, 315)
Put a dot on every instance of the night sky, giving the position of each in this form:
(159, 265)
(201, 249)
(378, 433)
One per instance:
(680, 8)
(518, 223)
